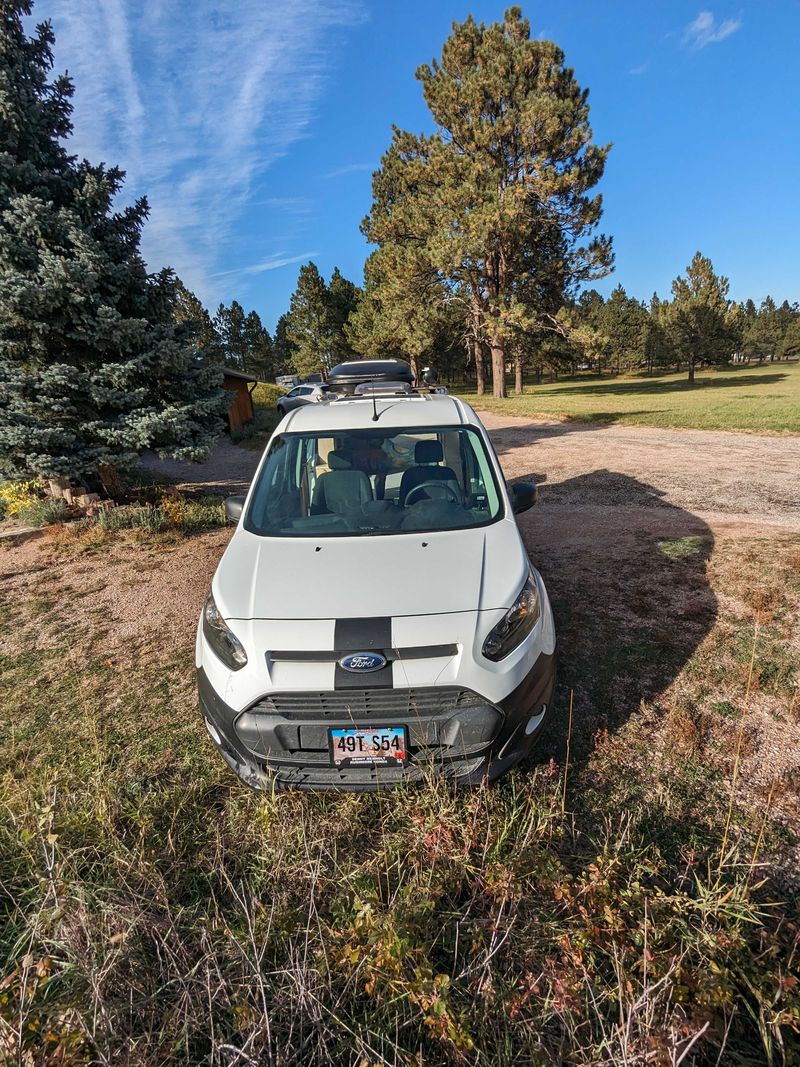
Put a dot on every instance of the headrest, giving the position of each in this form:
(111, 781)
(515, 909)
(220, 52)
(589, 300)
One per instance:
(428, 452)
(340, 461)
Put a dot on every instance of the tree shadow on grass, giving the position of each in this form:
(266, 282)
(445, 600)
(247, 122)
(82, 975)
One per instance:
(658, 387)
(626, 574)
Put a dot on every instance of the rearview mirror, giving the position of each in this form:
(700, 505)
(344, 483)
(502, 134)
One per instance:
(523, 497)
(234, 505)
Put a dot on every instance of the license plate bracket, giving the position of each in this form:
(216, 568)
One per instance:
(368, 746)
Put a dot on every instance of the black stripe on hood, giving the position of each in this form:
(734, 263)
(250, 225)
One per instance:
(363, 635)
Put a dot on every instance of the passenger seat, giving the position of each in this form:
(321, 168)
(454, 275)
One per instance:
(342, 490)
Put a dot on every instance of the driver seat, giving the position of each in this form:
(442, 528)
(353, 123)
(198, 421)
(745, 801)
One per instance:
(427, 456)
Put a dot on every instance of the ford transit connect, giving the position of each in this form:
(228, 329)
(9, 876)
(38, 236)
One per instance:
(375, 618)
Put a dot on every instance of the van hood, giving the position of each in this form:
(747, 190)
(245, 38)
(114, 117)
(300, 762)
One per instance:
(365, 577)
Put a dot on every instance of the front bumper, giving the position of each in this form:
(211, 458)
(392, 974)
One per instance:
(281, 740)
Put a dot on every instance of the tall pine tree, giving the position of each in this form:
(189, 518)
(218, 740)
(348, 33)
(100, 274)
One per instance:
(317, 320)
(503, 188)
(702, 324)
(94, 369)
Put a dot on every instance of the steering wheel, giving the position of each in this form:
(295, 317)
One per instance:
(444, 489)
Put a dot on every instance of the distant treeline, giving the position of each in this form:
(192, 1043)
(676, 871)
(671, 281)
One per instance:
(328, 323)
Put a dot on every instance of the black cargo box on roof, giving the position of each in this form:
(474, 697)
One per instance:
(344, 377)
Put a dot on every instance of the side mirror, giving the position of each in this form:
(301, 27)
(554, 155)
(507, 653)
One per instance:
(523, 497)
(234, 505)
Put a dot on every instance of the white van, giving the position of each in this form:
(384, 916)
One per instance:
(375, 617)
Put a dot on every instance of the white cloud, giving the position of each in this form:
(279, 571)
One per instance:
(705, 30)
(194, 101)
(350, 168)
(279, 259)
(636, 71)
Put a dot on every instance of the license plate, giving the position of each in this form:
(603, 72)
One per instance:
(381, 746)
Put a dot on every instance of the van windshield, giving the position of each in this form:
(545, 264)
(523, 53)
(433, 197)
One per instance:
(361, 482)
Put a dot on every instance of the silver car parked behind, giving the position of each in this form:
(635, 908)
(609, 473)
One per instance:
(302, 394)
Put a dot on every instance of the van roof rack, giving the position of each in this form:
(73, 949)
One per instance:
(382, 392)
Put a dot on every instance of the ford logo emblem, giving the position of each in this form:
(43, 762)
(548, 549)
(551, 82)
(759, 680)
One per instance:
(362, 662)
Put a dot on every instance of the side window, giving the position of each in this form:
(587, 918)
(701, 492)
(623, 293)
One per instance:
(293, 392)
(305, 390)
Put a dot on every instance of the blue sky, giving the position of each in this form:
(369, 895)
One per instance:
(253, 127)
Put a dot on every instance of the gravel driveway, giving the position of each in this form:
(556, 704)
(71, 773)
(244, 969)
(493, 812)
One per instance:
(724, 478)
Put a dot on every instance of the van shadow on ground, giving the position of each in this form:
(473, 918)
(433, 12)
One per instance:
(626, 574)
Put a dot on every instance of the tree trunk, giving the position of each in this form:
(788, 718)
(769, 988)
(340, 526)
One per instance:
(498, 348)
(479, 368)
(518, 375)
(691, 370)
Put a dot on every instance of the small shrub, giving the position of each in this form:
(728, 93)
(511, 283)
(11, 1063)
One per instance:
(188, 515)
(202, 514)
(132, 517)
(16, 496)
(41, 512)
(266, 395)
(171, 513)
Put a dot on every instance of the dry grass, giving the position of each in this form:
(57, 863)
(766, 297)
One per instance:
(152, 911)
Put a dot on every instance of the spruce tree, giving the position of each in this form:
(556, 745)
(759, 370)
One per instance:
(94, 369)
(657, 348)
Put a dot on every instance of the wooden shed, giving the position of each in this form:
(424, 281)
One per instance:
(241, 385)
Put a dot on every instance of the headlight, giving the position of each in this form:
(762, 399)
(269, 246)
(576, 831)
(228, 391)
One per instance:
(221, 638)
(516, 624)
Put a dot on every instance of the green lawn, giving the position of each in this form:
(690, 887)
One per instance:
(764, 399)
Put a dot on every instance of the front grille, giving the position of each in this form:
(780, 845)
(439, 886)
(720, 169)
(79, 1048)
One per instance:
(357, 703)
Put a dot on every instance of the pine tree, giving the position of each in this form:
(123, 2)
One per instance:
(282, 348)
(625, 326)
(229, 322)
(702, 320)
(503, 183)
(405, 310)
(190, 311)
(763, 332)
(343, 297)
(790, 345)
(658, 350)
(94, 368)
(309, 326)
(245, 342)
(585, 324)
(316, 326)
(258, 347)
